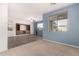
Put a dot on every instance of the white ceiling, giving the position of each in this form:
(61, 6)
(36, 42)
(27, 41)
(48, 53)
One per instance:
(26, 10)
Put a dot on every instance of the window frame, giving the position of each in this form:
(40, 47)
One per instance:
(50, 26)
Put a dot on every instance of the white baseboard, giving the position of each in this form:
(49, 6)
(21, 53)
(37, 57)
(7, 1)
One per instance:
(61, 43)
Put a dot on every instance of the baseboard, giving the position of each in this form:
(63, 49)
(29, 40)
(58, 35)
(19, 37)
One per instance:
(61, 43)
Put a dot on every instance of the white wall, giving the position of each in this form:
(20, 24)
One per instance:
(3, 26)
(19, 14)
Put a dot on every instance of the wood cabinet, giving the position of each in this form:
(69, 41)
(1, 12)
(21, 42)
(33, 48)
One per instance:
(22, 29)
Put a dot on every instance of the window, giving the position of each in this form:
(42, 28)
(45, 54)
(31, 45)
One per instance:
(58, 22)
(40, 26)
(22, 27)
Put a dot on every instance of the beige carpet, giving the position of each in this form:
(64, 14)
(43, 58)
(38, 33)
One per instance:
(42, 48)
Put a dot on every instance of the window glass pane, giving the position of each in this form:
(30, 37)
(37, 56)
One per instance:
(22, 27)
(62, 22)
(59, 22)
(54, 25)
(62, 25)
(40, 26)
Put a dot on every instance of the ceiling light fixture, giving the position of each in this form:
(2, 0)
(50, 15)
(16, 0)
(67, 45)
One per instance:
(52, 4)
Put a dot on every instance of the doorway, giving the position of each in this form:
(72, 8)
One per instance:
(39, 30)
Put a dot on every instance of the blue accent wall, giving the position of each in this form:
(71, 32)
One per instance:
(72, 35)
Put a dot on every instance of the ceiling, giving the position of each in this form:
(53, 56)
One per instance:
(26, 10)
